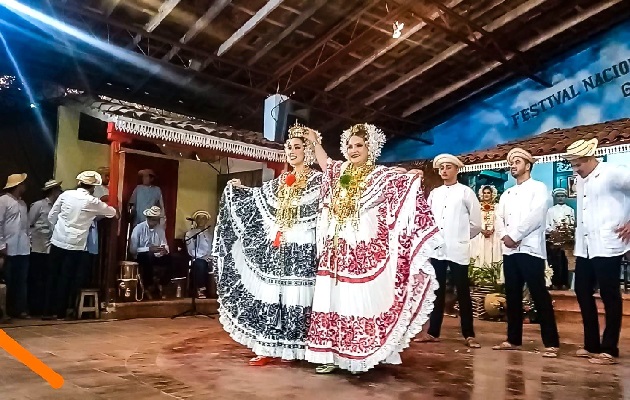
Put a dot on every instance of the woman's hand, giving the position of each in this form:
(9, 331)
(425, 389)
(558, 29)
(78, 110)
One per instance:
(311, 135)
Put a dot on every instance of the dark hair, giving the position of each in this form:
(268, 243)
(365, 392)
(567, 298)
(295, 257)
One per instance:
(85, 186)
(488, 187)
(531, 166)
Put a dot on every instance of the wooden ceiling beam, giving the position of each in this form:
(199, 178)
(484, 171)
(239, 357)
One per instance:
(384, 50)
(452, 50)
(302, 17)
(155, 21)
(380, 76)
(556, 30)
(165, 9)
(93, 16)
(341, 25)
(199, 25)
(479, 38)
(248, 26)
(387, 18)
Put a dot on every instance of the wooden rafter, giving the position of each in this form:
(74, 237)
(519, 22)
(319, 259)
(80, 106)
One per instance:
(488, 44)
(387, 18)
(155, 21)
(341, 25)
(199, 26)
(588, 13)
(383, 50)
(452, 50)
(248, 26)
(165, 9)
(302, 17)
(359, 87)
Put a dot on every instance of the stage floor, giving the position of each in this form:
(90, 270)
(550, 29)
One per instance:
(192, 358)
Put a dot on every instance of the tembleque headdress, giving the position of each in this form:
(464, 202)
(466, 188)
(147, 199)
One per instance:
(375, 140)
(300, 131)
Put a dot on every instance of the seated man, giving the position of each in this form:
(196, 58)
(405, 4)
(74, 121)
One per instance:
(148, 246)
(200, 249)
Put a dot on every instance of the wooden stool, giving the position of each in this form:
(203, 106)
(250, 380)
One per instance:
(91, 295)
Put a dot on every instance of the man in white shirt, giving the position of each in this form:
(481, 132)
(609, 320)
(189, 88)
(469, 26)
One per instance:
(558, 215)
(149, 247)
(90, 258)
(602, 237)
(199, 245)
(41, 233)
(520, 223)
(457, 213)
(71, 216)
(15, 244)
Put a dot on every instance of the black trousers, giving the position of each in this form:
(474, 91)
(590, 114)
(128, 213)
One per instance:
(560, 265)
(62, 283)
(199, 272)
(152, 266)
(16, 275)
(605, 272)
(37, 277)
(459, 274)
(520, 269)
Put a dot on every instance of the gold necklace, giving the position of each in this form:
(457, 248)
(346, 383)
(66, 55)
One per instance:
(290, 189)
(345, 201)
(348, 191)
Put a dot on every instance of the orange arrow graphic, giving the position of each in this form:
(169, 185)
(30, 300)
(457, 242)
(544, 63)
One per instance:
(25, 357)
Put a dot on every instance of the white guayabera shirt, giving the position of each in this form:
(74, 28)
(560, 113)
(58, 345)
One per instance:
(521, 215)
(457, 213)
(603, 205)
(72, 215)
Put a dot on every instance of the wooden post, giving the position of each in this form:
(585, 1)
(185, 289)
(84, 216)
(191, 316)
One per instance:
(113, 225)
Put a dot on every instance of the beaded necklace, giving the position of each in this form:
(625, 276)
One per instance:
(346, 195)
(290, 189)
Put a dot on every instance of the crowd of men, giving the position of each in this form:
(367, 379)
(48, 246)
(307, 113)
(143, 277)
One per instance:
(48, 251)
(523, 220)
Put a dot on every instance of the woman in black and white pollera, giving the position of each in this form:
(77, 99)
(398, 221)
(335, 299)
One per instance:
(265, 247)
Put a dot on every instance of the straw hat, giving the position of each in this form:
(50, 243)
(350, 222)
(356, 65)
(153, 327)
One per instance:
(581, 148)
(91, 178)
(199, 214)
(51, 184)
(14, 180)
(447, 158)
(558, 191)
(518, 152)
(153, 212)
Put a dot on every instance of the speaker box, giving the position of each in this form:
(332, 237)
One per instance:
(288, 113)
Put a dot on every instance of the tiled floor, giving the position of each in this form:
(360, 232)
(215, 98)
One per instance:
(192, 358)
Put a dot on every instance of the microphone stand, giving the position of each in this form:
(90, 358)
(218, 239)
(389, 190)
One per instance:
(193, 279)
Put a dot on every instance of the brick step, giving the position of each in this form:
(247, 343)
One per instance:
(567, 301)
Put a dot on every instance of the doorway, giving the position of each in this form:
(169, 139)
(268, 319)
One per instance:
(167, 172)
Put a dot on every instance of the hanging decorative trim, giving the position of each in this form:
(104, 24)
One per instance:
(157, 124)
(548, 158)
(170, 134)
